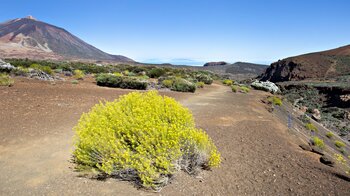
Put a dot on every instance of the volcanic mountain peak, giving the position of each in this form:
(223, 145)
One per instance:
(30, 17)
(30, 38)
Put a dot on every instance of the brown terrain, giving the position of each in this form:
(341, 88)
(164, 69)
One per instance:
(326, 64)
(259, 154)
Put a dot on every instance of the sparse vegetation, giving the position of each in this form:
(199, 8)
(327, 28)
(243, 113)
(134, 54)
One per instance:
(227, 82)
(142, 137)
(234, 88)
(75, 82)
(330, 134)
(45, 69)
(275, 100)
(167, 83)
(311, 127)
(244, 89)
(318, 142)
(6, 80)
(339, 144)
(200, 84)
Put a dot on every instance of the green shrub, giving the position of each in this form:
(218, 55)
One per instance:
(200, 84)
(244, 89)
(143, 137)
(110, 80)
(78, 74)
(330, 134)
(318, 142)
(117, 74)
(75, 82)
(311, 127)
(45, 69)
(20, 71)
(167, 83)
(275, 100)
(227, 82)
(339, 144)
(6, 80)
(156, 72)
(234, 88)
(182, 85)
(204, 78)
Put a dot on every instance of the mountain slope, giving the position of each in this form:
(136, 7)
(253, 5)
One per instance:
(326, 64)
(30, 38)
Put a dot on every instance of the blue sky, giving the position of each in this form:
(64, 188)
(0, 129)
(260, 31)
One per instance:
(196, 31)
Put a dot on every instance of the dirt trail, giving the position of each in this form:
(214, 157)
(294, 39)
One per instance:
(259, 156)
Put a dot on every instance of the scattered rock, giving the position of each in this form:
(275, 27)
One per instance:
(303, 109)
(305, 147)
(6, 66)
(327, 160)
(316, 114)
(266, 86)
(40, 75)
(67, 73)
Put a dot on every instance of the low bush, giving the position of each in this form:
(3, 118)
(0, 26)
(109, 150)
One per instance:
(275, 100)
(200, 84)
(204, 78)
(20, 71)
(78, 74)
(311, 127)
(339, 144)
(142, 137)
(244, 89)
(75, 82)
(111, 80)
(182, 85)
(177, 84)
(318, 142)
(234, 88)
(330, 134)
(227, 82)
(156, 72)
(167, 83)
(45, 69)
(6, 80)
(117, 74)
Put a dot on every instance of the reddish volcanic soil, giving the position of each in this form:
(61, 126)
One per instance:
(259, 155)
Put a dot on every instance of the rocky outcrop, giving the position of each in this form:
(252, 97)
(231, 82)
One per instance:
(220, 63)
(266, 86)
(6, 66)
(324, 64)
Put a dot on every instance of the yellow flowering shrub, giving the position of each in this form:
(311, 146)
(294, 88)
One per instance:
(78, 74)
(143, 137)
